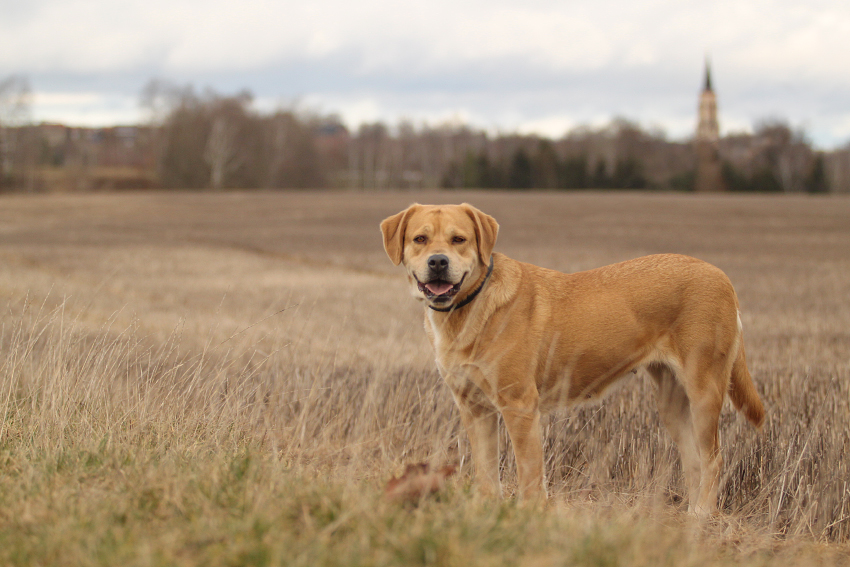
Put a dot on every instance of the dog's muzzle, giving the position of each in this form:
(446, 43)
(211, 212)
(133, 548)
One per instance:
(439, 290)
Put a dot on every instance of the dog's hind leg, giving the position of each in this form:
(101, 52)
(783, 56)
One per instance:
(705, 415)
(706, 381)
(675, 410)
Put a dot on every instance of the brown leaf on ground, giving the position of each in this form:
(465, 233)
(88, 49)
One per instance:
(418, 481)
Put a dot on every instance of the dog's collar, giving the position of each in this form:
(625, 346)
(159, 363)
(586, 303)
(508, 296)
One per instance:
(469, 297)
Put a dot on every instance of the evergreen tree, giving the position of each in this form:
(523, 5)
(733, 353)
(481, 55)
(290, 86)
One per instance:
(521, 175)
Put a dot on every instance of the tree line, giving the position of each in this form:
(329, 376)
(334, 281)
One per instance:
(199, 140)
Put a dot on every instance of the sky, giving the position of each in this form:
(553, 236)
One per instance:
(530, 66)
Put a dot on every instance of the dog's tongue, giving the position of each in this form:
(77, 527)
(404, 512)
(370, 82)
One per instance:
(438, 288)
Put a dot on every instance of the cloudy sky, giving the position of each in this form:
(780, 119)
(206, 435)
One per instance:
(532, 65)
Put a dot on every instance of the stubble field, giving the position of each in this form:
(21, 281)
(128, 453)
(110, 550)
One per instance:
(230, 379)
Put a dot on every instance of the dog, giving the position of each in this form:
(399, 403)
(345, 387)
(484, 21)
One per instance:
(516, 339)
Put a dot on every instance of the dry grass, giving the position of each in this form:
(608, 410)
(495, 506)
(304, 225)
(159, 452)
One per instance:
(228, 379)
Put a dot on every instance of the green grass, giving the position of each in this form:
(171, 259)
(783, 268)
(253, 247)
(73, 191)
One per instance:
(108, 505)
(105, 504)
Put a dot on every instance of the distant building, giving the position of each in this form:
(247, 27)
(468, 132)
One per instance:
(709, 174)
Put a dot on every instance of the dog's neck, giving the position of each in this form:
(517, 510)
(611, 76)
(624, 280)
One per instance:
(472, 295)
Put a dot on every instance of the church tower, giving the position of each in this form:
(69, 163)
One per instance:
(709, 175)
(707, 128)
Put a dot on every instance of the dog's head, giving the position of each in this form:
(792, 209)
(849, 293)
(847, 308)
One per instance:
(445, 248)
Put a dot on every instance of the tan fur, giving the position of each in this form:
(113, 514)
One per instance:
(535, 339)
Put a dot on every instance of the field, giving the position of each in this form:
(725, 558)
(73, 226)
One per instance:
(230, 379)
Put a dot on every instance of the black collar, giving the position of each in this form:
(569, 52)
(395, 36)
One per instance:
(469, 297)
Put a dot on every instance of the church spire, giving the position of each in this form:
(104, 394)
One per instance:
(707, 127)
(707, 75)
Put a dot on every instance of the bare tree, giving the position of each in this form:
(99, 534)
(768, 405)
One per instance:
(16, 148)
(787, 153)
(278, 134)
(160, 99)
(837, 166)
(774, 158)
(221, 152)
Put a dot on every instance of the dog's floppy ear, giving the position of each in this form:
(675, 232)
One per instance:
(486, 231)
(393, 230)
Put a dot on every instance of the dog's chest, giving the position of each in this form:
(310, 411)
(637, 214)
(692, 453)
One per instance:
(445, 344)
(456, 359)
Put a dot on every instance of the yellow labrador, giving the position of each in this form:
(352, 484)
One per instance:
(519, 340)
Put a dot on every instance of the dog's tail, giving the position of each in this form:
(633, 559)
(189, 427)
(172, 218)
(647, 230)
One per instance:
(742, 391)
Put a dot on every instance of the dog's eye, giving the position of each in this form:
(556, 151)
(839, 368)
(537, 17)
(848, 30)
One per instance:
(420, 239)
(458, 240)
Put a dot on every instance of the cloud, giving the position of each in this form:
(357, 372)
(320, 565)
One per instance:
(85, 108)
(191, 36)
(532, 62)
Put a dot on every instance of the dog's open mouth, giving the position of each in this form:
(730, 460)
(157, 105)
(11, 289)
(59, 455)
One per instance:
(440, 290)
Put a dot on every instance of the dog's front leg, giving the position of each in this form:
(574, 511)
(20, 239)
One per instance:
(481, 421)
(522, 419)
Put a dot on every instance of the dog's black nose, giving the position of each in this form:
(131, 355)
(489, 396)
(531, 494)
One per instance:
(438, 262)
